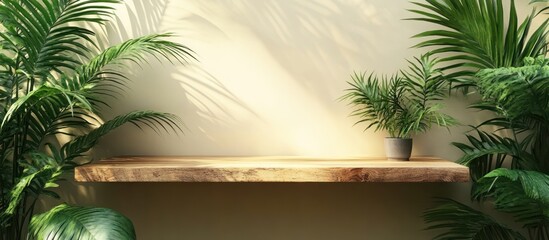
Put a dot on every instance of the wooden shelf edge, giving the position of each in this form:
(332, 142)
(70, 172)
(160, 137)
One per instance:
(269, 169)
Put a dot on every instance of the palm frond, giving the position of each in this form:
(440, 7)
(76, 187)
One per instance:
(46, 34)
(69, 222)
(43, 94)
(425, 81)
(379, 102)
(489, 151)
(98, 78)
(426, 86)
(154, 120)
(513, 90)
(476, 36)
(463, 222)
(402, 105)
(524, 194)
(41, 172)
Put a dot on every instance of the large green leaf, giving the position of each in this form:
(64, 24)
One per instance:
(514, 89)
(525, 194)
(81, 223)
(98, 79)
(46, 33)
(41, 172)
(155, 120)
(65, 98)
(489, 151)
(478, 34)
(463, 222)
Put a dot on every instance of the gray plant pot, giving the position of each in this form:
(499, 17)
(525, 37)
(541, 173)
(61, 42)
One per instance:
(398, 149)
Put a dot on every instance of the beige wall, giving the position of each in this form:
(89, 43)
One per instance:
(267, 83)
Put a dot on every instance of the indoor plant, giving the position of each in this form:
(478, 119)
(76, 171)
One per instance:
(509, 167)
(53, 81)
(510, 171)
(403, 104)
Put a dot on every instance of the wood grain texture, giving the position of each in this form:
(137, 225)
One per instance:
(270, 169)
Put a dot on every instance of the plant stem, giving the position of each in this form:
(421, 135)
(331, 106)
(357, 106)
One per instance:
(29, 213)
(23, 214)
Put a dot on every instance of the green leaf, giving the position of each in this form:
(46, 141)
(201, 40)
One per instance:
(97, 78)
(502, 148)
(474, 33)
(83, 223)
(40, 173)
(524, 194)
(514, 90)
(47, 40)
(463, 222)
(402, 104)
(155, 120)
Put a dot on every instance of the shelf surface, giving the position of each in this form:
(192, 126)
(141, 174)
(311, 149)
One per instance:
(270, 169)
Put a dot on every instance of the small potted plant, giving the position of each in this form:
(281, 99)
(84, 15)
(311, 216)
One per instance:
(403, 104)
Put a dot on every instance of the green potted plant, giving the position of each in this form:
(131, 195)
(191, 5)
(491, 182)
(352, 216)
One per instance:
(53, 82)
(403, 104)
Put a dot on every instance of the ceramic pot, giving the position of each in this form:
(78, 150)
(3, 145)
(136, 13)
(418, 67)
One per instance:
(398, 149)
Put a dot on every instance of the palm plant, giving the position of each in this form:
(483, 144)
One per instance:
(520, 96)
(402, 104)
(53, 82)
(509, 167)
(479, 34)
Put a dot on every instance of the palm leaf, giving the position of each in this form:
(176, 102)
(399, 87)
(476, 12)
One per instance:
(475, 35)
(463, 222)
(379, 101)
(426, 85)
(46, 33)
(97, 78)
(41, 172)
(402, 105)
(524, 194)
(514, 89)
(490, 151)
(43, 94)
(83, 223)
(154, 120)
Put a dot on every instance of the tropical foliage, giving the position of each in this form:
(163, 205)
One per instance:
(504, 62)
(404, 103)
(479, 34)
(53, 82)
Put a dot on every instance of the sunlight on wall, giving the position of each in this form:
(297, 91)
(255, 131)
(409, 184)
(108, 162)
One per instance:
(269, 75)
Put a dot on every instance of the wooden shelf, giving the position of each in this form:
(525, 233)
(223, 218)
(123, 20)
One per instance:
(270, 169)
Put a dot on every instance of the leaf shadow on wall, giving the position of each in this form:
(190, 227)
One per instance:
(319, 43)
(306, 38)
(303, 52)
(188, 90)
(315, 43)
(160, 86)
